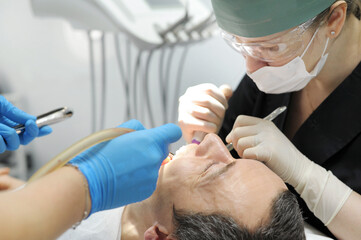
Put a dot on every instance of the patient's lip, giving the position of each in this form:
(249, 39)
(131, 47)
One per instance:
(168, 159)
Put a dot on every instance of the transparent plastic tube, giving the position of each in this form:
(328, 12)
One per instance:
(63, 158)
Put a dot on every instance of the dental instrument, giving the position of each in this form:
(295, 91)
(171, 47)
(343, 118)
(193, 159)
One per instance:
(270, 117)
(198, 136)
(48, 118)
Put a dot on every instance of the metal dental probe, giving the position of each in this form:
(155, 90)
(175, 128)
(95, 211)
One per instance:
(270, 117)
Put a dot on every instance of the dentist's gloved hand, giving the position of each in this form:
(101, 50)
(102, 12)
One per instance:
(259, 139)
(11, 116)
(202, 109)
(125, 169)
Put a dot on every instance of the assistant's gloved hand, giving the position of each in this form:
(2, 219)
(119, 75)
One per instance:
(202, 109)
(125, 169)
(11, 116)
(259, 139)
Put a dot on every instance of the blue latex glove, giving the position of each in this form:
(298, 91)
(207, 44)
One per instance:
(11, 116)
(125, 169)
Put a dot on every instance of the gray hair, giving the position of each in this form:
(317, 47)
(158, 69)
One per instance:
(286, 223)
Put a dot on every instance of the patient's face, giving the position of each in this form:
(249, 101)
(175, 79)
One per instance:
(206, 178)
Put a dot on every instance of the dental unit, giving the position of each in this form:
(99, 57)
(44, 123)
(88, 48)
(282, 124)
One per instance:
(143, 28)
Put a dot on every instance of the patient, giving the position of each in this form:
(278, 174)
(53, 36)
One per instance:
(204, 193)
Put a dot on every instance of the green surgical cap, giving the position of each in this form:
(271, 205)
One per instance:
(258, 18)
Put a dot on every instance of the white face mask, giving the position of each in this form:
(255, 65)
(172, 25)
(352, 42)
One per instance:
(290, 77)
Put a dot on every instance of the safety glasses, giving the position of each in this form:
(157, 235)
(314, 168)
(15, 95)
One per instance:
(280, 47)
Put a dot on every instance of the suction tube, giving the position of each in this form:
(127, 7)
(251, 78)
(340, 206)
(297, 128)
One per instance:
(63, 158)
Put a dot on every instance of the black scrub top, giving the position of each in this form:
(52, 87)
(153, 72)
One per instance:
(330, 136)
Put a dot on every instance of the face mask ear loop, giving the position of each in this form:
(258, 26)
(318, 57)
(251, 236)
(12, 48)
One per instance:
(309, 44)
(324, 50)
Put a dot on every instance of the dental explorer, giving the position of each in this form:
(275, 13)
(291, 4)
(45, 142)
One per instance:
(270, 117)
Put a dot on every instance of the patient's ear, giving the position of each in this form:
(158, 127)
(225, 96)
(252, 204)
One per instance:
(157, 232)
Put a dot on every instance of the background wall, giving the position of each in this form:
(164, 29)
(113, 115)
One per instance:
(44, 64)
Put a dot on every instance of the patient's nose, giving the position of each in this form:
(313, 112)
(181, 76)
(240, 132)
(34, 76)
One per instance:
(212, 147)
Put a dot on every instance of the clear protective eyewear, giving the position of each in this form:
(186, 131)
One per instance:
(278, 48)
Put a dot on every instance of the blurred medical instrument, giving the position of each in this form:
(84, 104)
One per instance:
(270, 117)
(154, 28)
(49, 118)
